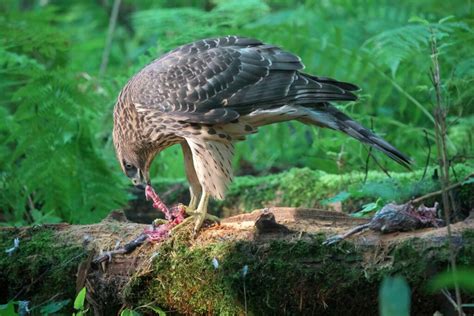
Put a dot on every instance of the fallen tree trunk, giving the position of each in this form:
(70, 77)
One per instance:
(248, 264)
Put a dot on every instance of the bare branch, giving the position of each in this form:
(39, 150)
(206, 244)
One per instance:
(431, 194)
(110, 34)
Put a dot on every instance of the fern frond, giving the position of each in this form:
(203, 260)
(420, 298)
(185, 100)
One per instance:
(393, 46)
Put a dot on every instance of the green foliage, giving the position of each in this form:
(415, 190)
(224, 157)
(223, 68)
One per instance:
(52, 165)
(8, 309)
(369, 209)
(130, 312)
(399, 188)
(80, 300)
(56, 157)
(464, 277)
(54, 307)
(394, 46)
(394, 297)
(340, 197)
(147, 308)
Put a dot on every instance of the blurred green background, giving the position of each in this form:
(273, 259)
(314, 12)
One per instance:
(56, 155)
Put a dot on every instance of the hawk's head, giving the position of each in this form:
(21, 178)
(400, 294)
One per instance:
(135, 163)
(134, 158)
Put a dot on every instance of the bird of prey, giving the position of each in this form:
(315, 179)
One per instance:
(207, 95)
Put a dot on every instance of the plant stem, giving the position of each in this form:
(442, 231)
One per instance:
(245, 298)
(440, 113)
(110, 34)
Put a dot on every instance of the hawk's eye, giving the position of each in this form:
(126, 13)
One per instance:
(128, 166)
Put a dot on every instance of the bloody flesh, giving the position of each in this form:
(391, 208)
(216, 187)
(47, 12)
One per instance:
(157, 202)
(174, 216)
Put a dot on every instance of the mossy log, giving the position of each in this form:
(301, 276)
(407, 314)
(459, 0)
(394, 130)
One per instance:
(246, 265)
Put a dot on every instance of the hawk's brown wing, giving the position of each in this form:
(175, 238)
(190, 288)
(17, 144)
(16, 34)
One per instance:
(217, 80)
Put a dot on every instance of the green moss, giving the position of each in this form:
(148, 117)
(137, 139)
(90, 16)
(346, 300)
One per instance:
(293, 277)
(187, 281)
(308, 188)
(248, 193)
(287, 277)
(466, 255)
(42, 267)
(300, 187)
(279, 276)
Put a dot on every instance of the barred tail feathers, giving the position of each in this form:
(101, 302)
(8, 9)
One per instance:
(332, 118)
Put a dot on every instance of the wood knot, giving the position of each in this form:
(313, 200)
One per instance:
(266, 224)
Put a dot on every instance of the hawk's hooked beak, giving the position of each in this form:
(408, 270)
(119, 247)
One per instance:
(140, 180)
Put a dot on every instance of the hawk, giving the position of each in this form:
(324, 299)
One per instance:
(207, 95)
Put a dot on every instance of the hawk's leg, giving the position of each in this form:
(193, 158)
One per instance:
(199, 215)
(195, 188)
(201, 211)
(193, 202)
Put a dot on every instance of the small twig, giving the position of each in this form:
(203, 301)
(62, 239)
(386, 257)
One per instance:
(371, 155)
(367, 164)
(379, 165)
(110, 34)
(450, 298)
(337, 238)
(429, 154)
(47, 301)
(431, 194)
(456, 120)
(368, 155)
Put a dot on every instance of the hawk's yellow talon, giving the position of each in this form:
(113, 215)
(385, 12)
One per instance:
(159, 221)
